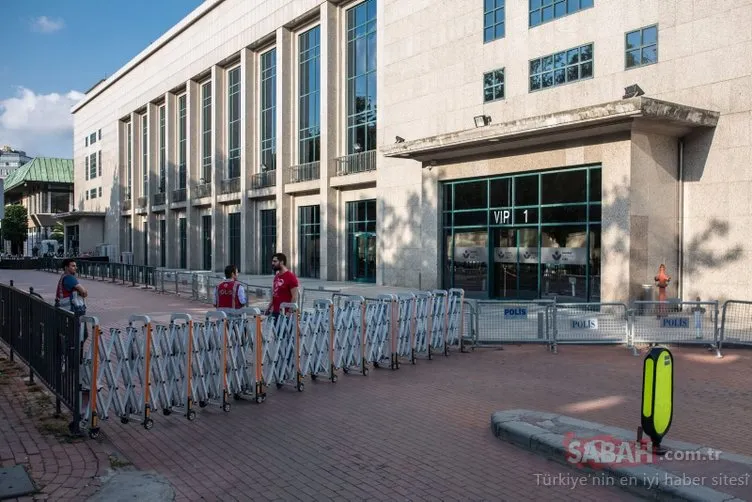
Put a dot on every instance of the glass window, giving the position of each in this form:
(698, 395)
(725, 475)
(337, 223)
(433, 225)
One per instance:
(268, 239)
(564, 187)
(500, 193)
(542, 11)
(471, 195)
(493, 85)
(233, 238)
(183, 237)
(206, 238)
(162, 243)
(182, 141)
(233, 123)
(93, 166)
(493, 20)
(309, 237)
(309, 114)
(268, 110)
(595, 185)
(641, 47)
(129, 161)
(561, 68)
(526, 190)
(162, 150)
(206, 133)
(361, 77)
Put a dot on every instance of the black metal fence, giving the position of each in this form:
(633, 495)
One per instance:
(46, 339)
(106, 271)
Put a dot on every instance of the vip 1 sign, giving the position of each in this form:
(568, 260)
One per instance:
(585, 323)
(675, 322)
(513, 313)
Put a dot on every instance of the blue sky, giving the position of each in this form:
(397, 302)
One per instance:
(60, 49)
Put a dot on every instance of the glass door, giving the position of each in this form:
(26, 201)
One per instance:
(363, 257)
(505, 263)
(528, 262)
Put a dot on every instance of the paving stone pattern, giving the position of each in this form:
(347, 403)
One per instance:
(419, 433)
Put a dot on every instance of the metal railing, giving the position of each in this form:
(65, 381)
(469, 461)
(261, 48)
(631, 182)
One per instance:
(305, 172)
(355, 163)
(124, 273)
(231, 185)
(736, 323)
(159, 199)
(202, 190)
(141, 202)
(46, 339)
(265, 179)
(512, 322)
(179, 195)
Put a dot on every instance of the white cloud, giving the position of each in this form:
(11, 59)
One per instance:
(45, 24)
(40, 124)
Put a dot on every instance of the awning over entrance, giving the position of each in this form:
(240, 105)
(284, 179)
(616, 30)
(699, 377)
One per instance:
(671, 119)
(74, 216)
(44, 220)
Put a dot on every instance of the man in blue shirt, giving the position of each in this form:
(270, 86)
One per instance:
(70, 293)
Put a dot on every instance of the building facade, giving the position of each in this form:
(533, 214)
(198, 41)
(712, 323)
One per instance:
(10, 160)
(44, 186)
(516, 149)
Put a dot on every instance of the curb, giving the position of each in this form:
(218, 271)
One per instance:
(509, 426)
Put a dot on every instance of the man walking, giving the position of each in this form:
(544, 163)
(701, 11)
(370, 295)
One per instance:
(229, 295)
(284, 287)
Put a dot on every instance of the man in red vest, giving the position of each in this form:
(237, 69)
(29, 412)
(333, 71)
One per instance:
(229, 294)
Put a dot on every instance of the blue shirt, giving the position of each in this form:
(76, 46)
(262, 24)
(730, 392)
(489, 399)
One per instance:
(69, 282)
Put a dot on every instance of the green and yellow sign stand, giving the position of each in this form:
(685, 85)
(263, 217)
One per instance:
(657, 394)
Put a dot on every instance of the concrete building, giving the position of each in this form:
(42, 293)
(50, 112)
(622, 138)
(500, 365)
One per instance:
(10, 160)
(516, 149)
(44, 186)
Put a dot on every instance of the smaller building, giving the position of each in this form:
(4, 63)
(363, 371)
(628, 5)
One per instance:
(10, 160)
(44, 186)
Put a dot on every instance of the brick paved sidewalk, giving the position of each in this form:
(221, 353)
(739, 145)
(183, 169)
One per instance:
(62, 468)
(419, 433)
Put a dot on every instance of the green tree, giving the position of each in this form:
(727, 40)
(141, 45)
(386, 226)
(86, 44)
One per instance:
(58, 232)
(15, 226)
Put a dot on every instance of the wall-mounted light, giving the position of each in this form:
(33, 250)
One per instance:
(399, 139)
(633, 91)
(482, 120)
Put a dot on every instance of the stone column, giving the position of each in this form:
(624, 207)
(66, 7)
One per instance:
(152, 242)
(285, 135)
(193, 170)
(248, 156)
(219, 166)
(172, 251)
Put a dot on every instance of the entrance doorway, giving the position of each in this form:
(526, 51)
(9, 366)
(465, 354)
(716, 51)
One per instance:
(515, 267)
(363, 256)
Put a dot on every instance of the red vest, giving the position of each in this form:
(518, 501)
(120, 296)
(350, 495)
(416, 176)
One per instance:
(227, 295)
(61, 291)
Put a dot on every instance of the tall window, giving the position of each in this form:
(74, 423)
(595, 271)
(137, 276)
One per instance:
(183, 237)
(145, 238)
(182, 141)
(233, 123)
(493, 19)
(361, 77)
(543, 11)
(268, 110)
(93, 166)
(309, 115)
(206, 238)
(268, 239)
(493, 85)
(129, 162)
(233, 238)
(145, 153)
(162, 243)
(206, 132)
(162, 149)
(309, 237)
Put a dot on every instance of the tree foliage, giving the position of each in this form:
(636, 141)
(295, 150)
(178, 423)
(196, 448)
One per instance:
(15, 226)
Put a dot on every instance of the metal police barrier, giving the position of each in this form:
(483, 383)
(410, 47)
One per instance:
(439, 326)
(591, 323)
(422, 323)
(176, 341)
(378, 325)
(405, 326)
(281, 348)
(455, 315)
(242, 374)
(350, 335)
(118, 366)
(676, 323)
(315, 340)
(736, 323)
(210, 360)
(513, 322)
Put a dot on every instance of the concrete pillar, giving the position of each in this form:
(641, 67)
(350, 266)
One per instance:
(331, 132)
(152, 242)
(219, 170)
(171, 230)
(248, 155)
(193, 151)
(285, 134)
